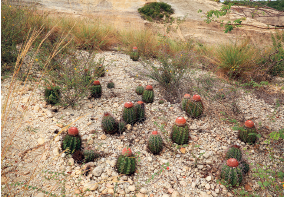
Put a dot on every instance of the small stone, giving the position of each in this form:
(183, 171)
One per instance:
(112, 163)
(217, 190)
(37, 107)
(39, 195)
(25, 100)
(207, 186)
(104, 176)
(128, 126)
(92, 186)
(149, 159)
(131, 188)
(203, 194)
(166, 195)
(98, 171)
(230, 195)
(56, 151)
(182, 150)
(183, 183)
(49, 113)
(60, 125)
(90, 106)
(175, 194)
(140, 195)
(77, 191)
(40, 141)
(208, 178)
(71, 162)
(110, 191)
(193, 185)
(248, 187)
(143, 190)
(103, 137)
(124, 178)
(214, 194)
(170, 190)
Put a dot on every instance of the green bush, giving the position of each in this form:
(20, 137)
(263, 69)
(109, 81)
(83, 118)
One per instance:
(156, 11)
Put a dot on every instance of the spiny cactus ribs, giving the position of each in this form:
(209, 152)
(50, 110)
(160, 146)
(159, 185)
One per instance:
(180, 131)
(155, 143)
(109, 124)
(52, 94)
(72, 141)
(134, 55)
(184, 101)
(194, 107)
(148, 94)
(129, 115)
(232, 172)
(89, 156)
(140, 111)
(248, 134)
(126, 162)
(139, 90)
(121, 126)
(96, 89)
(234, 152)
(110, 84)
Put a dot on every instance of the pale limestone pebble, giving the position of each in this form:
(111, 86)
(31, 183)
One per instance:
(103, 137)
(92, 186)
(39, 194)
(110, 191)
(166, 195)
(140, 195)
(175, 194)
(143, 190)
(203, 194)
(170, 190)
(208, 178)
(97, 172)
(207, 186)
(40, 141)
(131, 188)
(214, 194)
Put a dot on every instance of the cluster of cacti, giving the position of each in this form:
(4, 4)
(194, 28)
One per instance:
(248, 133)
(148, 94)
(99, 71)
(184, 101)
(180, 131)
(139, 109)
(193, 107)
(134, 55)
(109, 124)
(155, 143)
(128, 114)
(126, 162)
(96, 89)
(110, 84)
(72, 141)
(234, 152)
(52, 94)
(139, 90)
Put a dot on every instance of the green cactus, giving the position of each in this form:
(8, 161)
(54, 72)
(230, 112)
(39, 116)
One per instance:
(139, 90)
(245, 167)
(96, 91)
(110, 85)
(180, 134)
(134, 55)
(129, 115)
(234, 152)
(184, 101)
(52, 95)
(126, 165)
(193, 108)
(248, 135)
(148, 96)
(121, 126)
(89, 156)
(87, 76)
(139, 109)
(109, 124)
(71, 143)
(155, 143)
(233, 175)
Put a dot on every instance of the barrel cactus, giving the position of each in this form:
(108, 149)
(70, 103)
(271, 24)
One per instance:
(134, 55)
(248, 133)
(184, 101)
(194, 106)
(121, 126)
(140, 111)
(90, 156)
(96, 89)
(234, 152)
(244, 166)
(72, 141)
(139, 90)
(232, 172)
(52, 94)
(110, 85)
(155, 143)
(180, 131)
(148, 94)
(128, 114)
(109, 124)
(126, 162)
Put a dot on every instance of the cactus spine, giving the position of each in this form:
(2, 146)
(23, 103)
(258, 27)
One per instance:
(126, 162)
(232, 172)
(194, 107)
(52, 94)
(140, 111)
(96, 89)
(184, 101)
(129, 115)
(155, 143)
(109, 125)
(180, 131)
(134, 55)
(72, 141)
(248, 133)
(234, 152)
(148, 94)
(139, 90)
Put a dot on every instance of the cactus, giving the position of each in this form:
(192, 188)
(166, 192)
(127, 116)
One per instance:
(89, 156)
(244, 166)
(72, 141)
(126, 162)
(184, 101)
(155, 143)
(87, 76)
(232, 172)
(194, 106)
(110, 84)
(161, 101)
(128, 114)
(248, 133)
(139, 90)
(180, 131)
(134, 55)
(121, 126)
(52, 94)
(148, 94)
(96, 89)
(140, 111)
(234, 152)
(109, 124)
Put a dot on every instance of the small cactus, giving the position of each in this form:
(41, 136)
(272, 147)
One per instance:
(110, 84)
(139, 90)
(126, 162)
(148, 94)
(234, 152)
(89, 156)
(180, 131)
(155, 143)
(194, 106)
(121, 126)
(248, 133)
(244, 166)
(184, 101)
(161, 101)
(232, 172)
(129, 115)
(72, 141)
(140, 111)
(52, 94)
(96, 89)
(134, 55)
(109, 124)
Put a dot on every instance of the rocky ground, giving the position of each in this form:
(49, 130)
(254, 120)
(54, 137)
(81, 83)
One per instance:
(31, 142)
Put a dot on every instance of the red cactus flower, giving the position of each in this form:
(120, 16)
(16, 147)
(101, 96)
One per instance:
(196, 98)
(128, 104)
(96, 82)
(186, 96)
(236, 146)
(106, 114)
(180, 121)
(149, 87)
(249, 124)
(140, 102)
(155, 133)
(73, 131)
(232, 162)
(126, 152)
(135, 49)
(168, 168)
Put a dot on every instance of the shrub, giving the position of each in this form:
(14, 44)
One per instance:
(156, 11)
